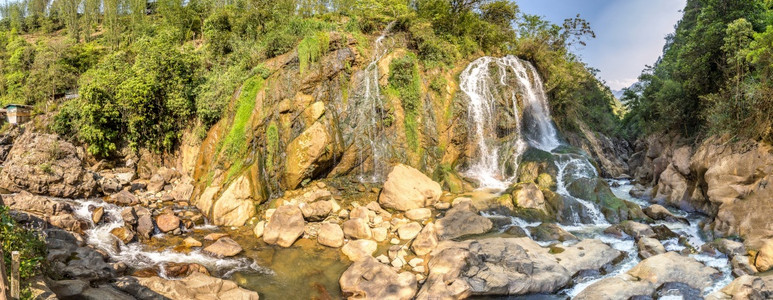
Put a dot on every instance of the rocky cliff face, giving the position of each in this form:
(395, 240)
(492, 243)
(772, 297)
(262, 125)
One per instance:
(308, 125)
(727, 180)
(351, 114)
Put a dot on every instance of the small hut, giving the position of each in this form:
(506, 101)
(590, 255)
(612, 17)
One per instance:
(17, 113)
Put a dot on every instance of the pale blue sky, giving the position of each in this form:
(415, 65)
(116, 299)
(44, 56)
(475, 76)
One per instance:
(629, 33)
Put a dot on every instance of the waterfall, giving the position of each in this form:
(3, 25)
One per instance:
(539, 129)
(486, 82)
(369, 112)
(478, 84)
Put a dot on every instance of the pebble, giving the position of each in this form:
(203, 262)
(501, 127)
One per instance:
(414, 262)
(398, 262)
(383, 259)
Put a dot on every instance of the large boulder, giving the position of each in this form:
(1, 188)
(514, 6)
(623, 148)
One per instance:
(369, 279)
(529, 196)
(236, 205)
(284, 226)
(589, 254)
(597, 191)
(746, 287)
(731, 185)
(167, 222)
(426, 241)
(649, 275)
(357, 228)
(36, 205)
(359, 249)
(764, 259)
(550, 232)
(407, 188)
(144, 222)
(224, 247)
(674, 189)
(309, 155)
(197, 286)
(649, 247)
(45, 165)
(460, 221)
(658, 212)
(331, 235)
(507, 266)
(633, 229)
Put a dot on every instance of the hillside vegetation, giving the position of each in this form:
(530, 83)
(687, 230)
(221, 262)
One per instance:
(714, 76)
(146, 70)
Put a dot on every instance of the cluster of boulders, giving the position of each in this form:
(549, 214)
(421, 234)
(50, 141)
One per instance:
(726, 180)
(44, 171)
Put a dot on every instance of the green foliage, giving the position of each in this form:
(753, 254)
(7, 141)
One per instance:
(144, 75)
(217, 29)
(311, 49)
(404, 78)
(235, 143)
(706, 81)
(32, 249)
(438, 84)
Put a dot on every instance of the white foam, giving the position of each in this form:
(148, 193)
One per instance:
(136, 256)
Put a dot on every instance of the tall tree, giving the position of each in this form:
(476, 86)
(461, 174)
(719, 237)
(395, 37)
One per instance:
(69, 11)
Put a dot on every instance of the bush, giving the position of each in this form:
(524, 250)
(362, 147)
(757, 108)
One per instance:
(311, 48)
(31, 247)
(404, 78)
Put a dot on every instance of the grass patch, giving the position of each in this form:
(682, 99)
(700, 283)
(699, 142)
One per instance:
(404, 78)
(235, 142)
(438, 85)
(311, 48)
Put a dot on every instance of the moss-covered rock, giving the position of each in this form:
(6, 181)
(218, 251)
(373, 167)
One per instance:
(597, 191)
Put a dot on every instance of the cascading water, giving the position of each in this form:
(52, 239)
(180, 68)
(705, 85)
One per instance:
(533, 129)
(572, 166)
(369, 115)
(136, 257)
(477, 83)
(536, 130)
(538, 126)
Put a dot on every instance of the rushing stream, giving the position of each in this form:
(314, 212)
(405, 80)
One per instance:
(139, 256)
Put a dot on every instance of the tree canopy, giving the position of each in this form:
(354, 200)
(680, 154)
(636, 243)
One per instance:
(146, 70)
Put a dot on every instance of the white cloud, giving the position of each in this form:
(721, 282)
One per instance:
(619, 84)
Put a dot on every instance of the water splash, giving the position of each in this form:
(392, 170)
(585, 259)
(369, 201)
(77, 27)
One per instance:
(535, 128)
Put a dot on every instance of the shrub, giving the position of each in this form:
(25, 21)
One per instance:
(404, 78)
(31, 247)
